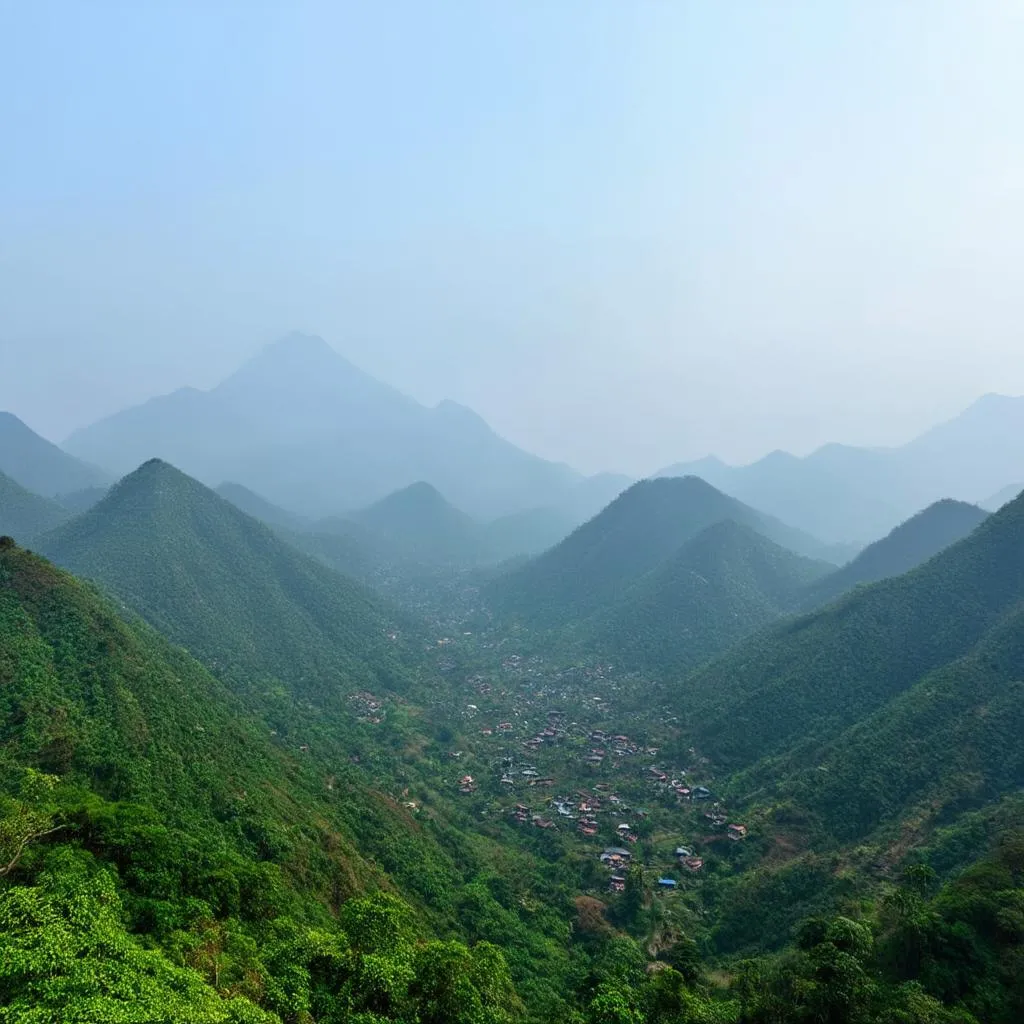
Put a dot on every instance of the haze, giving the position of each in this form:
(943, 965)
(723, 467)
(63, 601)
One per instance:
(625, 233)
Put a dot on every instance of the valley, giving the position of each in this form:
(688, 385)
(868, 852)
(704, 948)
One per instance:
(657, 760)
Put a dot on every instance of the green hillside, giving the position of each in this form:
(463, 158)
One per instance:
(165, 858)
(719, 588)
(419, 524)
(593, 568)
(806, 680)
(239, 598)
(24, 515)
(911, 543)
(949, 743)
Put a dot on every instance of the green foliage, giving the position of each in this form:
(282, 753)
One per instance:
(245, 603)
(591, 569)
(723, 585)
(909, 545)
(806, 680)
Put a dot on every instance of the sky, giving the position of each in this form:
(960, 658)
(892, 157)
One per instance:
(626, 232)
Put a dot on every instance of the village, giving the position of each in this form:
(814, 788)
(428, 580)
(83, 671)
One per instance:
(540, 751)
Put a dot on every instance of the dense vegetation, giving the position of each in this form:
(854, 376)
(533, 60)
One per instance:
(805, 680)
(241, 600)
(719, 588)
(592, 569)
(314, 815)
(921, 537)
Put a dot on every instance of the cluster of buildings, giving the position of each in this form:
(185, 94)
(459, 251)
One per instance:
(367, 707)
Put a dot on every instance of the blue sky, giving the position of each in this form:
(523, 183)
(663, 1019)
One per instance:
(624, 231)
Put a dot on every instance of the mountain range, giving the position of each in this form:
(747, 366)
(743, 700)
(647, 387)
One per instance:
(309, 431)
(802, 683)
(593, 568)
(240, 599)
(848, 494)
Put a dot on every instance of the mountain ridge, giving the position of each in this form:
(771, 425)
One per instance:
(302, 426)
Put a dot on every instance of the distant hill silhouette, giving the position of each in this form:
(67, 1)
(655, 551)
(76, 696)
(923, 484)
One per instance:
(259, 508)
(304, 428)
(224, 586)
(593, 568)
(911, 543)
(843, 493)
(996, 501)
(720, 587)
(38, 465)
(24, 515)
(420, 523)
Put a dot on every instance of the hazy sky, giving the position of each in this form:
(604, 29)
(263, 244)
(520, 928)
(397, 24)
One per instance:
(624, 231)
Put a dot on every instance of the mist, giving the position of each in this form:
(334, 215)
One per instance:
(624, 234)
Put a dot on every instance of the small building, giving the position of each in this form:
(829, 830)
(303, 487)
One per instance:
(693, 863)
(667, 883)
(737, 832)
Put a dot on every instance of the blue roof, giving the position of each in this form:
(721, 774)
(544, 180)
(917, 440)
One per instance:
(666, 881)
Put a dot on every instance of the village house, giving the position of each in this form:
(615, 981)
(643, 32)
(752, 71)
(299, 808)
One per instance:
(737, 832)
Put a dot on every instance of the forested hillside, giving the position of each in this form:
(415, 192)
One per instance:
(911, 543)
(166, 857)
(593, 568)
(720, 587)
(239, 598)
(803, 682)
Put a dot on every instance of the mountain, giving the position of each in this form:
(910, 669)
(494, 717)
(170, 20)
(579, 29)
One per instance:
(38, 465)
(801, 683)
(24, 515)
(168, 857)
(223, 585)
(303, 427)
(593, 568)
(911, 543)
(845, 493)
(421, 524)
(996, 501)
(834, 493)
(720, 587)
(945, 745)
(259, 508)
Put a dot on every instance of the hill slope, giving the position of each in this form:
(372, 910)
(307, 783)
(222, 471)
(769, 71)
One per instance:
(302, 426)
(594, 567)
(805, 681)
(259, 508)
(227, 588)
(183, 865)
(24, 515)
(721, 586)
(419, 523)
(911, 543)
(38, 465)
